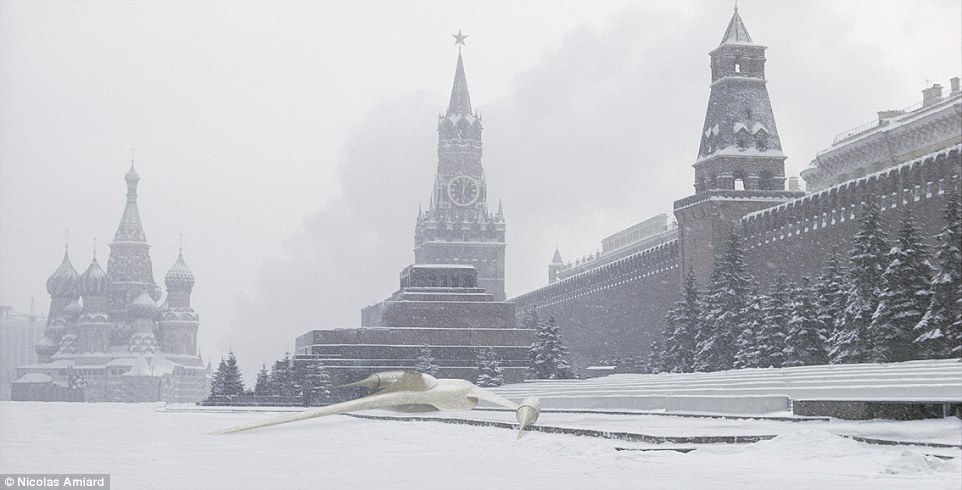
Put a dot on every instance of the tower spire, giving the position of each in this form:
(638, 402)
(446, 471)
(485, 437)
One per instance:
(460, 99)
(130, 228)
(736, 32)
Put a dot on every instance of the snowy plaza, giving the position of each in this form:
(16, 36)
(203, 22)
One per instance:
(153, 445)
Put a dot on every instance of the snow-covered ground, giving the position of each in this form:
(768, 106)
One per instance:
(150, 446)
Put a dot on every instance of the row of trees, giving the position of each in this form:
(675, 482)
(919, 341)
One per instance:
(309, 381)
(888, 305)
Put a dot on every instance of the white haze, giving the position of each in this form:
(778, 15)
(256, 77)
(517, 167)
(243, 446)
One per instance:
(292, 142)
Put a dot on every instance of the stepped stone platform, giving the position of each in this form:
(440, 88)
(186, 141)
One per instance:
(905, 390)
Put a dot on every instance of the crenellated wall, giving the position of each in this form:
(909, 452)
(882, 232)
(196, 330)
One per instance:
(797, 237)
(612, 311)
(616, 310)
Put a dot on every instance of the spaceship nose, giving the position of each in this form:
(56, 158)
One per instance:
(528, 413)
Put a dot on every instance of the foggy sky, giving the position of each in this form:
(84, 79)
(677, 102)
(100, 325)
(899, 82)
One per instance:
(291, 143)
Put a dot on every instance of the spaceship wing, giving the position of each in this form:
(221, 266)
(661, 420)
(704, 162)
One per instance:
(378, 400)
(483, 394)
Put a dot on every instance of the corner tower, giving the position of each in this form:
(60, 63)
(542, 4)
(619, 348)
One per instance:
(740, 166)
(457, 227)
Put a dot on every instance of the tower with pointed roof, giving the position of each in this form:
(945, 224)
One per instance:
(557, 265)
(457, 227)
(740, 166)
(129, 269)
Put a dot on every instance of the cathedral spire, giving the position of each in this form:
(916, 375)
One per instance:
(460, 99)
(130, 228)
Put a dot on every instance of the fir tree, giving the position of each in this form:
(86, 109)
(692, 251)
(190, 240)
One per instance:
(262, 386)
(547, 353)
(805, 343)
(777, 313)
(217, 385)
(425, 363)
(490, 373)
(831, 297)
(867, 262)
(726, 304)
(939, 333)
(904, 297)
(230, 377)
(655, 363)
(316, 383)
(681, 326)
(282, 378)
(746, 354)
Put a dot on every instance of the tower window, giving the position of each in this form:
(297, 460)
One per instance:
(741, 138)
(738, 66)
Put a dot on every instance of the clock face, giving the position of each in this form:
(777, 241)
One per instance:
(463, 190)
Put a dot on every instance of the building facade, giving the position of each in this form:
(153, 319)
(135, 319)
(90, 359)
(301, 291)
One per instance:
(19, 334)
(107, 338)
(894, 138)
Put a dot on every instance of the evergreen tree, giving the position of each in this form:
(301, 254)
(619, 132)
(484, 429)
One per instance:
(490, 373)
(547, 353)
(262, 387)
(425, 363)
(777, 312)
(805, 343)
(939, 333)
(282, 378)
(904, 297)
(867, 262)
(655, 362)
(746, 354)
(230, 377)
(316, 383)
(831, 297)
(217, 385)
(681, 326)
(726, 304)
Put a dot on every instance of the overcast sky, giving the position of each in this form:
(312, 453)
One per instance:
(292, 142)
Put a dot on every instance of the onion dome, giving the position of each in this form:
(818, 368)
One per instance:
(142, 307)
(179, 277)
(132, 177)
(94, 281)
(73, 309)
(46, 347)
(63, 282)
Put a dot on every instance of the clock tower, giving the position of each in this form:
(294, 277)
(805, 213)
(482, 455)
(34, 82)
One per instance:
(457, 227)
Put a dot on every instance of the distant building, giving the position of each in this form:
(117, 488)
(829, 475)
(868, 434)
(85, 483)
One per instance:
(19, 334)
(642, 236)
(452, 298)
(894, 138)
(107, 339)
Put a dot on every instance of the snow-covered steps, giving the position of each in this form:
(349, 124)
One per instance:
(751, 391)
